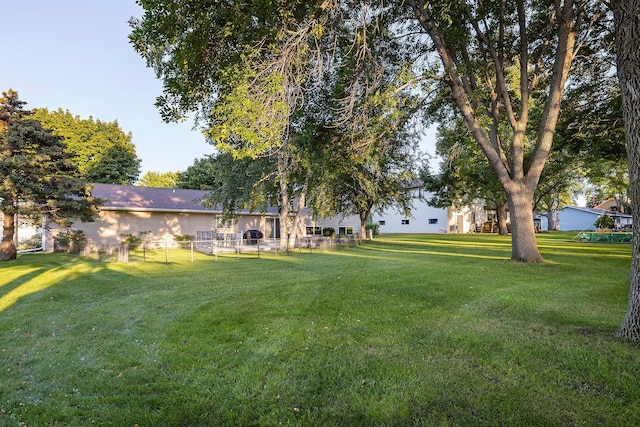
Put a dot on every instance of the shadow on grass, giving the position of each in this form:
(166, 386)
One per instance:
(38, 280)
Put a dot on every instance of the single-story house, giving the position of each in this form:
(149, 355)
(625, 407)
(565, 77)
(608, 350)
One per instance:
(164, 213)
(583, 219)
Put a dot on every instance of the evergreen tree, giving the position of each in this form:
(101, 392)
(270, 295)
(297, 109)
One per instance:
(38, 176)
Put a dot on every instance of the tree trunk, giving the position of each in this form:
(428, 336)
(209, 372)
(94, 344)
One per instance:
(501, 213)
(8, 250)
(524, 247)
(627, 31)
(551, 219)
(302, 201)
(283, 204)
(364, 216)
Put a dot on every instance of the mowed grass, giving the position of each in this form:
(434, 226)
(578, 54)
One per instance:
(405, 330)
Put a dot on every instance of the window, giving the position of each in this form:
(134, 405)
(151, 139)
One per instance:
(405, 222)
(204, 235)
(345, 231)
(317, 231)
(309, 231)
(433, 220)
(382, 222)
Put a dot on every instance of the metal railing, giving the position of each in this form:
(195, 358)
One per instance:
(185, 251)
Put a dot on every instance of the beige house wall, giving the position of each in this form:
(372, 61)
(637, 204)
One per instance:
(162, 226)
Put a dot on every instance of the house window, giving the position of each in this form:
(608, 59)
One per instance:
(345, 230)
(433, 220)
(317, 231)
(309, 231)
(382, 222)
(204, 235)
(405, 222)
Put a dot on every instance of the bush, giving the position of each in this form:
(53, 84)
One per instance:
(328, 232)
(604, 221)
(134, 241)
(183, 238)
(373, 227)
(32, 242)
(70, 241)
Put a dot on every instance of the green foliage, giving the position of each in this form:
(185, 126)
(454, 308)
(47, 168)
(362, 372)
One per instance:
(102, 152)
(374, 226)
(159, 179)
(134, 240)
(32, 242)
(248, 125)
(604, 221)
(392, 333)
(329, 232)
(233, 183)
(70, 241)
(38, 176)
(183, 238)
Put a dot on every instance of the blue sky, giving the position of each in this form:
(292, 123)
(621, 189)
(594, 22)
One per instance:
(75, 55)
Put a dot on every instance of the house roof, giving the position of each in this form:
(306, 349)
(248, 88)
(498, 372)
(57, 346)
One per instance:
(130, 198)
(597, 211)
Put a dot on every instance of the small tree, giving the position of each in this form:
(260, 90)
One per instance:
(133, 240)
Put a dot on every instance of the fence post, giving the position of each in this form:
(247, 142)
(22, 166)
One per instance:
(191, 252)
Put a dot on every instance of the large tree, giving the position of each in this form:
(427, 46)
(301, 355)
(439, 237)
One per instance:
(241, 68)
(253, 73)
(38, 177)
(627, 24)
(101, 150)
(502, 62)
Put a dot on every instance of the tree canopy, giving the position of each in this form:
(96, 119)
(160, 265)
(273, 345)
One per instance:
(159, 179)
(101, 150)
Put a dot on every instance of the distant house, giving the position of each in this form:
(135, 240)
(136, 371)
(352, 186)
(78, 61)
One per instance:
(583, 219)
(428, 219)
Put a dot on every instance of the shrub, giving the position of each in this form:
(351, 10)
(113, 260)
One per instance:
(183, 238)
(134, 241)
(32, 242)
(604, 221)
(70, 241)
(373, 227)
(328, 232)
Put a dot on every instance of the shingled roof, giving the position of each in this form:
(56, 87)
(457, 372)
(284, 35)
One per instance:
(129, 198)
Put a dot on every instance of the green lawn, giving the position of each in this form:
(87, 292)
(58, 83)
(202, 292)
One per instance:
(406, 330)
